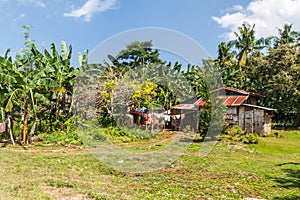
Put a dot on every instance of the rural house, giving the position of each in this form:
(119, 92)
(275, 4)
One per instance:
(242, 110)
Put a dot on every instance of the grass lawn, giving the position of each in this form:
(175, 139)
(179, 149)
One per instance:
(267, 170)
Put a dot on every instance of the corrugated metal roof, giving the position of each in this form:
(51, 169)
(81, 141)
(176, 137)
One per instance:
(234, 100)
(200, 102)
(228, 101)
(237, 99)
(259, 107)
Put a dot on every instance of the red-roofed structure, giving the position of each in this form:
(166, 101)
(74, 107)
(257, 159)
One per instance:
(228, 101)
(242, 110)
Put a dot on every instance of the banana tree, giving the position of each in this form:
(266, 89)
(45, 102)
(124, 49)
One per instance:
(24, 86)
(62, 73)
(4, 85)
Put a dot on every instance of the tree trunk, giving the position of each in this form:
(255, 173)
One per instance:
(57, 106)
(51, 114)
(10, 131)
(40, 126)
(25, 123)
(32, 129)
(112, 103)
(297, 120)
(71, 108)
(63, 102)
(20, 136)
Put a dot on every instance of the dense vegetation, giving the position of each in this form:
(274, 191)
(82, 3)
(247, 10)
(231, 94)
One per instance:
(269, 66)
(37, 85)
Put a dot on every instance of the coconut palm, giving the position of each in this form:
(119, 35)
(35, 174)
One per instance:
(286, 36)
(246, 44)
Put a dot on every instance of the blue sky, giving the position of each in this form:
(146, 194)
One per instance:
(86, 23)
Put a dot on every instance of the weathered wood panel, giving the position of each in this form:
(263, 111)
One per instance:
(241, 117)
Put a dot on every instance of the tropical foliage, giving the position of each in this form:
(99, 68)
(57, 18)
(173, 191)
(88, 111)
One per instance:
(269, 66)
(37, 86)
(36, 89)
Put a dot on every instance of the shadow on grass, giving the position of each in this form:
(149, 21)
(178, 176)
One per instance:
(290, 181)
(288, 163)
(3, 144)
(288, 198)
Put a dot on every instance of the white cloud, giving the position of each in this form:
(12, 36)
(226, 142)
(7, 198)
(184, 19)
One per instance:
(38, 3)
(91, 7)
(267, 15)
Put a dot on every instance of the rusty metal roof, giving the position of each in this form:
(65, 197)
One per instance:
(200, 102)
(238, 98)
(234, 100)
(228, 101)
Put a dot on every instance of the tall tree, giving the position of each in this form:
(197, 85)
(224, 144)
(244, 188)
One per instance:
(230, 72)
(23, 92)
(63, 74)
(139, 54)
(32, 81)
(246, 44)
(287, 36)
(276, 76)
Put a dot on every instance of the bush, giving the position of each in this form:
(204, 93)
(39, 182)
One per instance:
(236, 134)
(250, 138)
(61, 137)
(234, 131)
(120, 132)
(107, 121)
(115, 134)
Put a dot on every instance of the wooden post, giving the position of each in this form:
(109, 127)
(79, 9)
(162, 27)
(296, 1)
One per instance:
(252, 124)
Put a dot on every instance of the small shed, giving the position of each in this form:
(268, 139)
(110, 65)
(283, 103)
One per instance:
(242, 110)
(184, 117)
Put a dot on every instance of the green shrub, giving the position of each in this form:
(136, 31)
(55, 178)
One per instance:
(126, 134)
(61, 137)
(250, 138)
(234, 131)
(115, 132)
(106, 122)
(235, 134)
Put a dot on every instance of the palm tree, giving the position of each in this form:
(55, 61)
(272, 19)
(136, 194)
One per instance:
(5, 87)
(61, 74)
(25, 86)
(225, 55)
(246, 44)
(286, 36)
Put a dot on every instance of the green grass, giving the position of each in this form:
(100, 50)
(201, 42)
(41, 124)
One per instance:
(267, 170)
